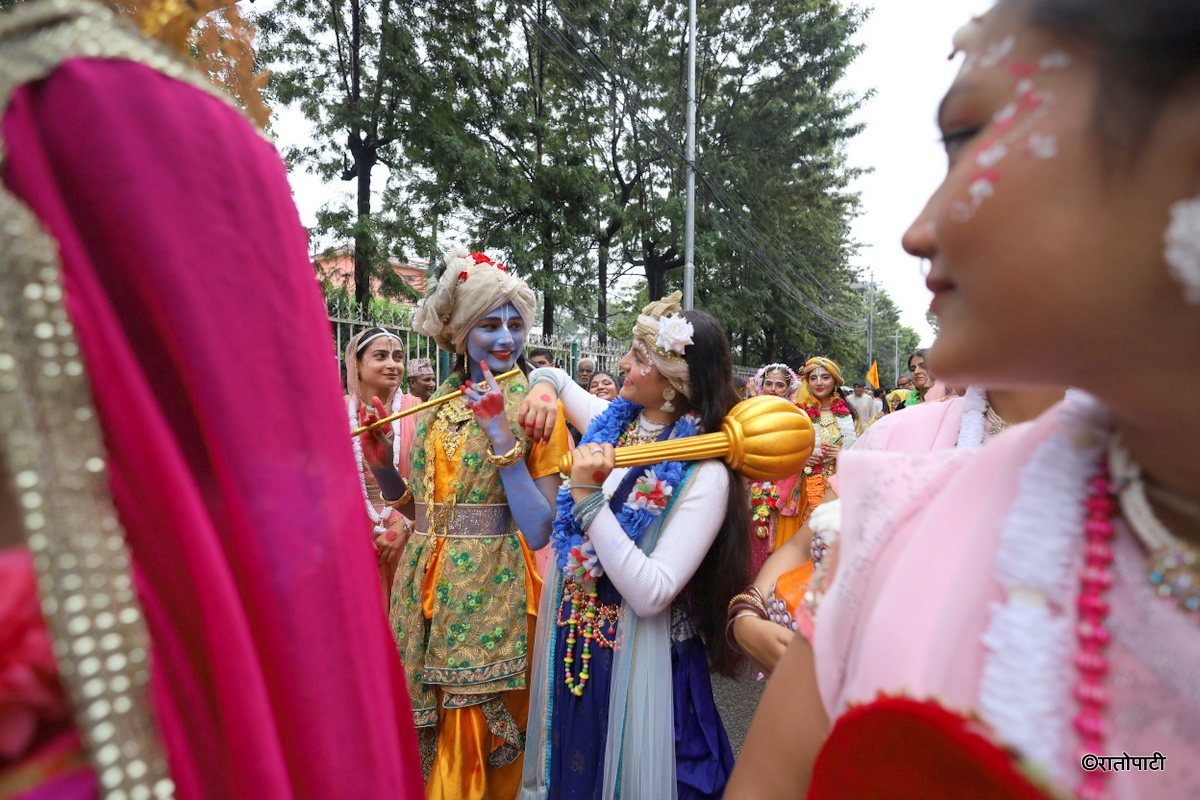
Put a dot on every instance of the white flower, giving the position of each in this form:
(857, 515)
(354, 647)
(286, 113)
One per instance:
(674, 333)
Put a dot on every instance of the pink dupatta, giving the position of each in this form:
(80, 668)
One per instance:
(188, 283)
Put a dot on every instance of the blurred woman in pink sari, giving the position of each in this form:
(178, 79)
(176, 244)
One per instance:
(1044, 587)
(176, 465)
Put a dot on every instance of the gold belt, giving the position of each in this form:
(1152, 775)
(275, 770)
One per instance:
(467, 521)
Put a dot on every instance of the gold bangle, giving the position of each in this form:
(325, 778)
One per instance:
(509, 458)
(748, 600)
(402, 500)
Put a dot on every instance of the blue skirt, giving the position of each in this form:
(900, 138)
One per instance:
(579, 725)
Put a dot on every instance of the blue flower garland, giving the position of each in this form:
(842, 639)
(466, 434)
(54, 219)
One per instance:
(607, 429)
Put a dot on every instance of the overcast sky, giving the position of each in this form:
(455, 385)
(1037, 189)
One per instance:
(905, 62)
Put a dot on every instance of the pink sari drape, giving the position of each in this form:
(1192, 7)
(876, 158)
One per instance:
(203, 333)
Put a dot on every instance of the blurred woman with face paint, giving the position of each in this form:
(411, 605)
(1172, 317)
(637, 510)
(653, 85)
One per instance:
(465, 596)
(1027, 609)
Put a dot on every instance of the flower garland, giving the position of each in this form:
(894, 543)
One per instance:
(1025, 689)
(573, 553)
(378, 518)
(764, 499)
(838, 407)
(971, 430)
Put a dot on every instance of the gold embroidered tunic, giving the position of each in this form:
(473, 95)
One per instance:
(466, 587)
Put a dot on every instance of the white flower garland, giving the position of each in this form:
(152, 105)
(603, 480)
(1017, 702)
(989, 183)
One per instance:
(377, 517)
(846, 428)
(1025, 691)
(971, 430)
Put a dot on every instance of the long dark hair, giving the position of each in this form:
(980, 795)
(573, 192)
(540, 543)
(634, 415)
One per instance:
(1145, 49)
(725, 570)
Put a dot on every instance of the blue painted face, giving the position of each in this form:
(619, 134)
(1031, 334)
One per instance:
(498, 339)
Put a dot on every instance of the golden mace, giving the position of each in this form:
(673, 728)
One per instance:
(437, 401)
(764, 438)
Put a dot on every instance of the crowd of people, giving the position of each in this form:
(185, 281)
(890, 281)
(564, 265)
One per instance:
(979, 584)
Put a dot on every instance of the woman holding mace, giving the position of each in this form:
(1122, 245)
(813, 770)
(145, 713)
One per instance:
(482, 494)
(631, 546)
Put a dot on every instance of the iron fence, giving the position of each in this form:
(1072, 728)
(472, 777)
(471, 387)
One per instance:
(347, 319)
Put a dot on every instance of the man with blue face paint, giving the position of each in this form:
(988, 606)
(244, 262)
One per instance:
(482, 493)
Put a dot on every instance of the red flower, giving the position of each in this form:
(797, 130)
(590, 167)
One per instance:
(839, 408)
(30, 695)
(813, 412)
(462, 276)
(481, 258)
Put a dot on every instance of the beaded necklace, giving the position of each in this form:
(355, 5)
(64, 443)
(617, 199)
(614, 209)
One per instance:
(643, 497)
(1172, 565)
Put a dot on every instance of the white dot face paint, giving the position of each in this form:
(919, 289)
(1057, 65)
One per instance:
(1013, 128)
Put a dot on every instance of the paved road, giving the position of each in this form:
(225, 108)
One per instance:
(737, 701)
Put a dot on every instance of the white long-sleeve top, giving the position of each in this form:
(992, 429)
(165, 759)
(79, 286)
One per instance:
(650, 583)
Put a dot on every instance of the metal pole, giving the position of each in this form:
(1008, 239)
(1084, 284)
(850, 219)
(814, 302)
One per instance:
(896, 379)
(871, 323)
(689, 251)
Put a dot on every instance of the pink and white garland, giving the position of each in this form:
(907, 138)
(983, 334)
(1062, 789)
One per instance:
(378, 518)
(972, 429)
(1030, 642)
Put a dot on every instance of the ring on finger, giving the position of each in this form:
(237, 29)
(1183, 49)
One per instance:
(597, 450)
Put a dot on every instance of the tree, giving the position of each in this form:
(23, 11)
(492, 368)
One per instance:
(351, 67)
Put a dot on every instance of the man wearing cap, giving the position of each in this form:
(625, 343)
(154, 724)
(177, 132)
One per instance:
(421, 380)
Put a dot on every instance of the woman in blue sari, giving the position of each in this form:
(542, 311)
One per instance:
(644, 562)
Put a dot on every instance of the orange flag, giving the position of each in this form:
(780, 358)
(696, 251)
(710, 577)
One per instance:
(873, 375)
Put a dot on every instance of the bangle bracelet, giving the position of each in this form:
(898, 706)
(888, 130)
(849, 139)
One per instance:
(732, 641)
(584, 486)
(752, 599)
(402, 500)
(549, 375)
(509, 458)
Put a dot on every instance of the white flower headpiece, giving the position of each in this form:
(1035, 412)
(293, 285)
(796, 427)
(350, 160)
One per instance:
(674, 333)
(665, 334)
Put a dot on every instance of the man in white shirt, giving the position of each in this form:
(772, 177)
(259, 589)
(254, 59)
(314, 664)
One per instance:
(862, 403)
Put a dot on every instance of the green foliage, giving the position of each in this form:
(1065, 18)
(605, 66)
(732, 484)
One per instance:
(554, 129)
(348, 66)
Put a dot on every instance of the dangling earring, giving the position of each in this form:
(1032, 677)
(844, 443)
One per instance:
(1183, 247)
(668, 396)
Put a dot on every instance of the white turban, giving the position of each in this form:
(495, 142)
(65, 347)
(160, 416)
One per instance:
(471, 288)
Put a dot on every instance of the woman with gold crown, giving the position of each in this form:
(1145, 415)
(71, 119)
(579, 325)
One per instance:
(837, 429)
(482, 494)
(645, 556)
(774, 514)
